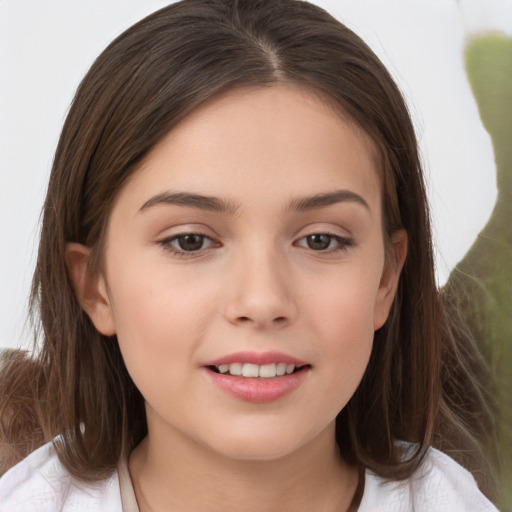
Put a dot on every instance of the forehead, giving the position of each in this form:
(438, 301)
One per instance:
(281, 140)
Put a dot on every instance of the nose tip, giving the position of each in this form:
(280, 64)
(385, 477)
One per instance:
(260, 294)
(271, 312)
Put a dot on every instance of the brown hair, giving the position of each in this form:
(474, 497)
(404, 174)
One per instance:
(423, 383)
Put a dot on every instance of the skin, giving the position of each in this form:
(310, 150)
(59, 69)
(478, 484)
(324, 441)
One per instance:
(255, 284)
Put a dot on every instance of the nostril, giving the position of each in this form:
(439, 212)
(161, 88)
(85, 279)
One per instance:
(277, 320)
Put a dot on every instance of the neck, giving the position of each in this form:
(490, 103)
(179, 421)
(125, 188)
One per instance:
(183, 475)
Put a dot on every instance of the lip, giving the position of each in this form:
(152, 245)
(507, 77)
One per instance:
(259, 358)
(257, 390)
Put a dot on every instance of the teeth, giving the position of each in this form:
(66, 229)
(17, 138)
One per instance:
(268, 371)
(224, 368)
(281, 369)
(235, 369)
(250, 370)
(265, 371)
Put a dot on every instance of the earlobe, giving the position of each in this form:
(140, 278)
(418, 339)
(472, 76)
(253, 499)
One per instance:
(90, 289)
(388, 285)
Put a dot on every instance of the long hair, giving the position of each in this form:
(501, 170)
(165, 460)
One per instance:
(422, 382)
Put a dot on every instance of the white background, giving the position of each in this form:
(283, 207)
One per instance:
(47, 46)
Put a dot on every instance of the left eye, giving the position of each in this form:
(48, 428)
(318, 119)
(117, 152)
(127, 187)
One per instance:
(323, 242)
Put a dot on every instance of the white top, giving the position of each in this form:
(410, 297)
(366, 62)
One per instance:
(40, 483)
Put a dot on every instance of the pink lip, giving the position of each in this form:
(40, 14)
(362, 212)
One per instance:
(258, 358)
(257, 390)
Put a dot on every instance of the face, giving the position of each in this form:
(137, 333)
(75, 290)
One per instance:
(249, 241)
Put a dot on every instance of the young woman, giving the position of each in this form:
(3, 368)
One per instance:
(236, 288)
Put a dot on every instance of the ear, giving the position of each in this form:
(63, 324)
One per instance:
(395, 259)
(90, 289)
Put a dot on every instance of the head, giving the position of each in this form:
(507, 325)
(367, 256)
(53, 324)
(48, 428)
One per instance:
(146, 86)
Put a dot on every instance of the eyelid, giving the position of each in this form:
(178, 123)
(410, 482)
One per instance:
(340, 234)
(166, 243)
(344, 243)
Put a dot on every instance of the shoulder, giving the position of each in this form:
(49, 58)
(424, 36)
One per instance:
(41, 483)
(440, 484)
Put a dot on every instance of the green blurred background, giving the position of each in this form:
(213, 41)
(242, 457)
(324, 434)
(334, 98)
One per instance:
(485, 273)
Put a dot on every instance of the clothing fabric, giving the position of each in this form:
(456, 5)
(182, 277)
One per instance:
(40, 483)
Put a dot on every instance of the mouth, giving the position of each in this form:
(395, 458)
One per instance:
(257, 377)
(255, 371)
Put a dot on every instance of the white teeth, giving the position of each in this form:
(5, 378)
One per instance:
(281, 369)
(235, 369)
(268, 371)
(250, 370)
(265, 371)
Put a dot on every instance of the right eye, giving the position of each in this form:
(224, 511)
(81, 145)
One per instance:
(187, 243)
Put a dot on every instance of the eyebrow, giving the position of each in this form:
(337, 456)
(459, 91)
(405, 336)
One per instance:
(215, 204)
(323, 200)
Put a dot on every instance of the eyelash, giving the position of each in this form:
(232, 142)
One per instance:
(343, 244)
(181, 253)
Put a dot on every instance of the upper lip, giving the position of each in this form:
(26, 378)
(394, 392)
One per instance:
(259, 358)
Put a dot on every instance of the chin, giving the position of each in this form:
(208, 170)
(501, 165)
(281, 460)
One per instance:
(259, 443)
(259, 451)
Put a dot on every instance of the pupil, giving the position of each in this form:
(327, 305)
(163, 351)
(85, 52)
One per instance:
(319, 242)
(190, 242)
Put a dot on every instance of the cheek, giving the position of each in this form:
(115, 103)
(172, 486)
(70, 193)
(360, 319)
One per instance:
(159, 317)
(342, 304)
(346, 328)
(341, 319)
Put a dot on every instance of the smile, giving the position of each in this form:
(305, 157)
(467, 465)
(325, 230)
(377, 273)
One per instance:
(249, 370)
(257, 377)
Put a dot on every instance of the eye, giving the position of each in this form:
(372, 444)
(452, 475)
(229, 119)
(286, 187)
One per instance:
(191, 242)
(324, 242)
(187, 243)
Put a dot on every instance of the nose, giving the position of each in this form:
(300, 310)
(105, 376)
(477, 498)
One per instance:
(260, 290)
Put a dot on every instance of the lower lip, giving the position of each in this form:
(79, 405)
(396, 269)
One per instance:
(258, 390)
